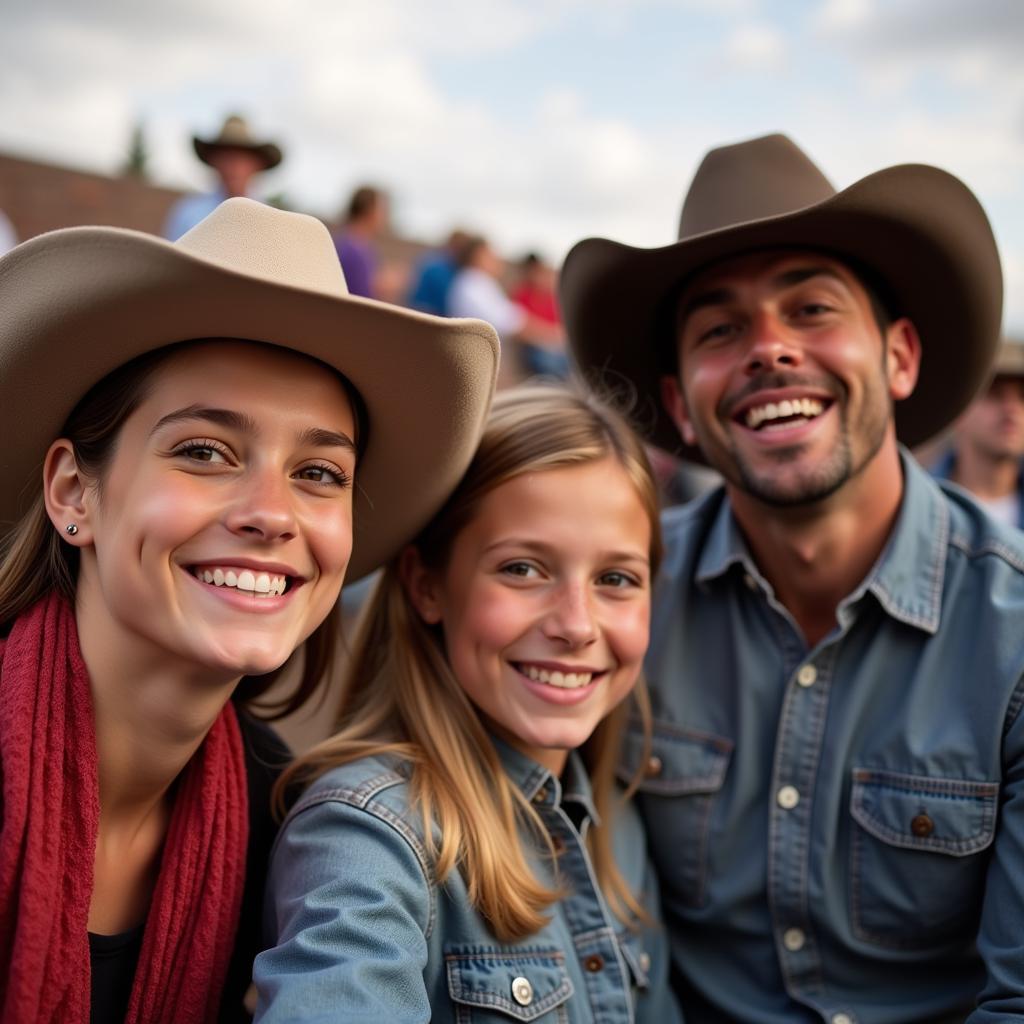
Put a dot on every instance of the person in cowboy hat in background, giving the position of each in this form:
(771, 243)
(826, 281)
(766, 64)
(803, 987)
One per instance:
(986, 455)
(833, 797)
(236, 157)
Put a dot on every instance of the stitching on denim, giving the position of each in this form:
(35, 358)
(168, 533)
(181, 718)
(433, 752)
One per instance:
(1008, 554)
(1014, 706)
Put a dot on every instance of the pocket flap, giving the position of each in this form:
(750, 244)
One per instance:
(521, 983)
(681, 761)
(920, 812)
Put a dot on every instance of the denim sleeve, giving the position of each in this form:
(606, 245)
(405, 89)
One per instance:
(1001, 937)
(349, 910)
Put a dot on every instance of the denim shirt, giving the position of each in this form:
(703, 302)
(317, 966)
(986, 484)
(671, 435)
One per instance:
(364, 933)
(839, 832)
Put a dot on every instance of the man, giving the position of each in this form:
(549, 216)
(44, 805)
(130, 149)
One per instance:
(366, 219)
(986, 456)
(834, 791)
(236, 158)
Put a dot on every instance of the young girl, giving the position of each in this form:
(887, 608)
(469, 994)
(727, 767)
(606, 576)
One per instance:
(184, 513)
(457, 858)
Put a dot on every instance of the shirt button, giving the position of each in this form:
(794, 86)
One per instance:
(841, 1018)
(922, 826)
(522, 991)
(594, 963)
(750, 581)
(793, 939)
(788, 797)
(653, 766)
(541, 795)
(807, 676)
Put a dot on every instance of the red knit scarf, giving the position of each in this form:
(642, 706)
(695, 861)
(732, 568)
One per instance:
(50, 814)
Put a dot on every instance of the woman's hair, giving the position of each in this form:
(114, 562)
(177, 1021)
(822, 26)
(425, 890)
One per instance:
(400, 696)
(34, 560)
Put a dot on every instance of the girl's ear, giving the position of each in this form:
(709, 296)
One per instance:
(66, 494)
(420, 585)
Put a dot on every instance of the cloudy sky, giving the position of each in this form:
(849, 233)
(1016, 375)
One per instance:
(535, 121)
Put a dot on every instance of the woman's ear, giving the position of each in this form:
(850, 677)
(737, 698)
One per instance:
(420, 585)
(65, 493)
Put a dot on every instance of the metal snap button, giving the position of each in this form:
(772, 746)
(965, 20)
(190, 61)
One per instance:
(645, 962)
(922, 826)
(794, 939)
(594, 963)
(522, 991)
(788, 797)
(842, 1018)
(807, 676)
(653, 766)
(541, 795)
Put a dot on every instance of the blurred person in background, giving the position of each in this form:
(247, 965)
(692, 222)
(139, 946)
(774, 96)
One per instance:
(477, 292)
(8, 236)
(535, 292)
(986, 452)
(434, 274)
(237, 158)
(366, 219)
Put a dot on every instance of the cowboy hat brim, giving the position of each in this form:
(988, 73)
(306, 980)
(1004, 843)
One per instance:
(918, 228)
(79, 302)
(267, 152)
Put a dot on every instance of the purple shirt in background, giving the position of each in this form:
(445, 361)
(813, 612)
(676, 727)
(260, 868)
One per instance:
(358, 261)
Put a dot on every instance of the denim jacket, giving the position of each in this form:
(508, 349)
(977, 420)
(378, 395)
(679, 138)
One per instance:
(364, 933)
(839, 831)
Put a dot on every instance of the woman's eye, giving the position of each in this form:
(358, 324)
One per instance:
(201, 451)
(323, 474)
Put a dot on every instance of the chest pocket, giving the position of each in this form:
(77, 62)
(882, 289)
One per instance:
(680, 779)
(917, 861)
(491, 984)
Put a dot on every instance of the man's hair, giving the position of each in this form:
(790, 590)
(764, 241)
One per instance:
(363, 200)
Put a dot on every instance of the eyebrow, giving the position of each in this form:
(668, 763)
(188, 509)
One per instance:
(316, 437)
(787, 279)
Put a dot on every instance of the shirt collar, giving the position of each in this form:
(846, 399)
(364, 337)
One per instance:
(908, 576)
(540, 786)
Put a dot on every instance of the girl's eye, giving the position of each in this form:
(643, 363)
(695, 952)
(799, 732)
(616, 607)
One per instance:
(521, 570)
(321, 473)
(618, 580)
(202, 451)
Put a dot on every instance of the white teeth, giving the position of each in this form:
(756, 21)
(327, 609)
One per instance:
(263, 583)
(807, 407)
(561, 680)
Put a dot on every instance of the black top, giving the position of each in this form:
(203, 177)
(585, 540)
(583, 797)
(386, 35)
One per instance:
(113, 958)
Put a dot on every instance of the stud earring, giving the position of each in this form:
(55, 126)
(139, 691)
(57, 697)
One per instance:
(71, 529)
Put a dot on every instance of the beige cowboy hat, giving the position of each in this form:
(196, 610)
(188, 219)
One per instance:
(77, 303)
(919, 229)
(235, 134)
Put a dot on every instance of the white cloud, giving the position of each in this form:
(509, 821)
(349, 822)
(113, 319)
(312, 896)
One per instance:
(756, 47)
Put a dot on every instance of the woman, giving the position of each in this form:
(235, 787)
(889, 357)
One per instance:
(199, 502)
(456, 858)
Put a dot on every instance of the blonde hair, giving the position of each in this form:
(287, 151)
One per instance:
(401, 698)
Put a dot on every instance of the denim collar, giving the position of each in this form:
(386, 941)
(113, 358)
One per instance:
(540, 786)
(908, 576)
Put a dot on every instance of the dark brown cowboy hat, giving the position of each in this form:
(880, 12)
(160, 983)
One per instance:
(235, 134)
(918, 229)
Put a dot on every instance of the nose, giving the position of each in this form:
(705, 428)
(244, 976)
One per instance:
(263, 507)
(772, 344)
(571, 620)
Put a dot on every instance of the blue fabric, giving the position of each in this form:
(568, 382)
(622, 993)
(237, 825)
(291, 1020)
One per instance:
(364, 932)
(188, 211)
(943, 470)
(840, 831)
(434, 277)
